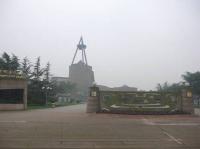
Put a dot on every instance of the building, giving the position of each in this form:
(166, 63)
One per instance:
(13, 91)
(82, 75)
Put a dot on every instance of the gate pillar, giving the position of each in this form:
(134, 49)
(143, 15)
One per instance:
(93, 101)
(187, 102)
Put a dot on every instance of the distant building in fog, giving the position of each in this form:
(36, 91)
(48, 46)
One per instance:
(82, 75)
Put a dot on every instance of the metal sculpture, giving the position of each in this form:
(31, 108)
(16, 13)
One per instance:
(81, 46)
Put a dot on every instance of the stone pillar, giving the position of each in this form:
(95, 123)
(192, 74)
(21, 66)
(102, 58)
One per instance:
(187, 102)
(93, 102)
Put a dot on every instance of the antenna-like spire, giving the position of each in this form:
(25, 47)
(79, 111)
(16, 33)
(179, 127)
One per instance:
(81, 46)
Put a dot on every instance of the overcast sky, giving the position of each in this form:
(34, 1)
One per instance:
(138, 43)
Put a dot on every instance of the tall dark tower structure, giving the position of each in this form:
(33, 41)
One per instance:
(81, 73)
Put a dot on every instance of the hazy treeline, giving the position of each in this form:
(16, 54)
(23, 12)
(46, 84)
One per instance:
(191, 80)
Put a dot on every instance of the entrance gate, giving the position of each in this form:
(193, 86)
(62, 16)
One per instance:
(139, 102)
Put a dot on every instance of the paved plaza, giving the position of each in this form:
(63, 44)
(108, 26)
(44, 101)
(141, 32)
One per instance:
(70, 127)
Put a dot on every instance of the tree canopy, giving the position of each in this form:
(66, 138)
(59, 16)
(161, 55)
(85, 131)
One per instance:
(166, 87)
(9, 62)
(26, 68)
(193, 79)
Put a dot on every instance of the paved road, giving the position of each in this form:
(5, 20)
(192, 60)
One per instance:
(70, 127)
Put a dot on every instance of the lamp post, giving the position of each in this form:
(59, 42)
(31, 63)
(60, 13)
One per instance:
(46, 89)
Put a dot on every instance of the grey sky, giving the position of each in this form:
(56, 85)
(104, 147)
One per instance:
(138, 43)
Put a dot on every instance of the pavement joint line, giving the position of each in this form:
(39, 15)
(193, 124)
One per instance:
(177, 140)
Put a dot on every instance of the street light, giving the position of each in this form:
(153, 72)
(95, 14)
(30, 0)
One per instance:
(46, 89)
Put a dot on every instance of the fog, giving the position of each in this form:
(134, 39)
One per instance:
(137, 43)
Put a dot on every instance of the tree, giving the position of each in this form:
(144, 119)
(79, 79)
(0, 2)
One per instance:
(47, 72)
(163, 87)
(35, 92)
(9, 63)
(5, 61)
(193, 79)
(14, 64)
(38, 72)
(166, 87)
(159, 87)
(2, 64)
(26, 68)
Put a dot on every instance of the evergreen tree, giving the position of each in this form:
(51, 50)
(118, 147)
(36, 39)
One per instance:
(166, 87)
(35, 92)
(14, 64)
(26, 68)
(9, 63)
(38, 71)
(6, 60)
(47, 72)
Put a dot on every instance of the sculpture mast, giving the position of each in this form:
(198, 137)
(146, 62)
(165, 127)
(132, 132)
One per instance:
(81, 46)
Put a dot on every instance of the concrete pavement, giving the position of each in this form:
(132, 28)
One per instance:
(70, 127)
